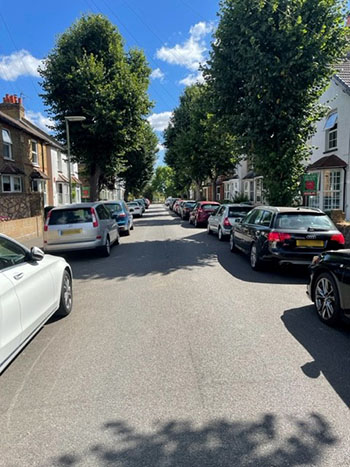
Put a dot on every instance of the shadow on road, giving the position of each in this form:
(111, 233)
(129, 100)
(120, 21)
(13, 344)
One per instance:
(328, 347)
(219, 443)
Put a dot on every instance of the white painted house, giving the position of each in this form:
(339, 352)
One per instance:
(60, 178)
(330, 160)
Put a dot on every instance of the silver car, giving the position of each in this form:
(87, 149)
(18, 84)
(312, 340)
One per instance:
(87, 226)
(222, 220)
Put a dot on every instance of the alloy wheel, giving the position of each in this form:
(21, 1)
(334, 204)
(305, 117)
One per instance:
(325, 298)
(67, 291)
(253, 256)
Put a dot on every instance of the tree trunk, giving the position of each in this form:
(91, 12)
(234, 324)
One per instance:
(95, 184)
(213, 189)
(197, 192)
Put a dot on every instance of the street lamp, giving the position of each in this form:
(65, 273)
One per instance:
(72, 118)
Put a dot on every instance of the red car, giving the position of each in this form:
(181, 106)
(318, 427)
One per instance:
(201, 212)
(176, 206)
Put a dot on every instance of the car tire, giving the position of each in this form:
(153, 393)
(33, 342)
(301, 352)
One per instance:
(106, 248)
(196, 224)
(127, 232)
(327, 307)
(132, 227)
(255, 261)
(209, 231)
(232, 243)
(66, 300)
(221, 236)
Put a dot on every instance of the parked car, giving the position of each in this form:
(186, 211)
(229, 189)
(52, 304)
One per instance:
(142, 203)
(33, 287)
(87, 226)
(186, 208)
(167, 201)
(285, 235)
(147, 202)
(123, 216)
(201, 212)
(172, 202)
(222, 220)
(176, 206)
(135, 208)
(329, 285)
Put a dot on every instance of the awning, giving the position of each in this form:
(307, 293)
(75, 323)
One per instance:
(39, 175)
(76, 180)
(62, 178)
(9, 169)
(328, 162)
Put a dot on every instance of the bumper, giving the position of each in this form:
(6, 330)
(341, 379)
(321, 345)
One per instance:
(282, 257)
(73, 246)
(122, 227)
(226, 231)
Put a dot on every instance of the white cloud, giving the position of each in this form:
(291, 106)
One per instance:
(159, 121)
(40, 120)
(192, 78)
(20, 63)
(157, 74)
(160, 147)
(191, 53)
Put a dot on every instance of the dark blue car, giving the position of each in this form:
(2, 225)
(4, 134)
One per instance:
(120, 210)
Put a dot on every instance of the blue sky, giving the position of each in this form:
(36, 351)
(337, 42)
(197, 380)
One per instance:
(175, 35)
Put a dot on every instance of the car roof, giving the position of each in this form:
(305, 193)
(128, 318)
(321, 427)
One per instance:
(286, 209)
(209, 202)
(77, 206)
(238, 205)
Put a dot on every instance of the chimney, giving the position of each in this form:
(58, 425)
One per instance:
(12, 106)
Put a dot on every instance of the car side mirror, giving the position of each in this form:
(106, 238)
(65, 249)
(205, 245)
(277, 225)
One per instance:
(36, 254)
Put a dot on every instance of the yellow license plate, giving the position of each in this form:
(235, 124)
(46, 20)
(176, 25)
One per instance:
(310, 243)
(70, 232)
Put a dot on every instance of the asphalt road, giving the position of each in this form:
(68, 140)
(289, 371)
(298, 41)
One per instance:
(177, 354)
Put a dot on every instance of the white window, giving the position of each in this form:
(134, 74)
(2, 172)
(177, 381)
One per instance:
(217, 193)
(331, 129)
(34, 149)
(39, 186)
(249, 190)
(59, 161)
(11, 184)
(6, 144)
(258, 189)
(331, 189)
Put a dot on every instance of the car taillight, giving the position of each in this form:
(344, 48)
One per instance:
(46, 226)
(199, 210)
(278, 236)
(121, 215)
(227, 222)
(339, 238)
(94, 217)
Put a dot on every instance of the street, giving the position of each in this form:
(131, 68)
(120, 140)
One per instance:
(176, 353)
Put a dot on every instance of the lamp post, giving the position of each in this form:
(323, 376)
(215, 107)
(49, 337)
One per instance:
(72, 118)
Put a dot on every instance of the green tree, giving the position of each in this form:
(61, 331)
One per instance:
(270, 62)
(198, 145)
(162, 183)
(89, 73)
(139, 164)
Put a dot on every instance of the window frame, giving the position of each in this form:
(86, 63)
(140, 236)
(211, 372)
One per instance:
(36, 153)
(12, 183)
(7, 144)
(331, 134)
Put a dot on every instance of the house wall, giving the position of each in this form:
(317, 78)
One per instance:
(23, 228)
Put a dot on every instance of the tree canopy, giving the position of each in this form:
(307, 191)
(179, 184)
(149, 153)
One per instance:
(89, 73)
(270, 62)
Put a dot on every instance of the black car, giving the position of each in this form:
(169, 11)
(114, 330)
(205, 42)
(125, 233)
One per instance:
(186, 208)
(329, 286)
(285, 235)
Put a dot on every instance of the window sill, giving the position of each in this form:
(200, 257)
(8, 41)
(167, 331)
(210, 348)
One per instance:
(330, 150)
(9, 159)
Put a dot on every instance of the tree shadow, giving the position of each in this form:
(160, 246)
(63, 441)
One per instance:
(328, 347)
(219, 443)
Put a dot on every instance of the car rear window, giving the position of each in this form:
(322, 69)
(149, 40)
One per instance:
(190, 204)
(113, 208)
(209, 207)
(134, 205)
(234, 211)
(301, 221)
(70, 216)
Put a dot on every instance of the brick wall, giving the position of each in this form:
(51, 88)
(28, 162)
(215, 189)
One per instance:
(23, 228)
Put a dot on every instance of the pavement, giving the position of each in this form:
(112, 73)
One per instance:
(177, 354)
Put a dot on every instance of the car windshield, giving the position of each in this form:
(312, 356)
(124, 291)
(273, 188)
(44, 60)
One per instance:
(114, 208)
(136, 205)
(190, 204)
(304, 221)
(209, 207)
(70, 216)
(238, 211)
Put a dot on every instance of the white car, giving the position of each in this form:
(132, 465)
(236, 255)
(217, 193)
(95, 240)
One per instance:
(33, 286)
(135, 208)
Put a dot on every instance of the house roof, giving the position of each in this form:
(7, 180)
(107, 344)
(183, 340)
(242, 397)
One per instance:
(328, 162)
(342, 74)
(250, 174)
(10, 169)
(38, 174)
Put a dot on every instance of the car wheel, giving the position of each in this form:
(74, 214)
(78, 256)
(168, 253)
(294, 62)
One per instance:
(209, 232)
(327, 299)
(221, 236)
(106, 249)
(255, 261)
(196, 223)
(127, 233)
(66, 301)
(132, 227)
(232, 243)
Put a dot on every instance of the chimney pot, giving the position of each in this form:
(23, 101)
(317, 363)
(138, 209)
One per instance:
(20, 100)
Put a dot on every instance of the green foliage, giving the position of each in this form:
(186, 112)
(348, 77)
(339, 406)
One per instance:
(89, 73)
(270, 63)
(198, 145)
(240, 198)
(163, 182)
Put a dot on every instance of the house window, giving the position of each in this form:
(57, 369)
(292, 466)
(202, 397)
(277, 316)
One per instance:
(34, 146)
(249, 190)
(59, 161)
(331, 129)
(331, 189)
(258, 188)
(11, 184)
(218, 193)
(6, 144)
(39, 186)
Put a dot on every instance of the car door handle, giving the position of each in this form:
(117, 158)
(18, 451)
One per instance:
(18, 276)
